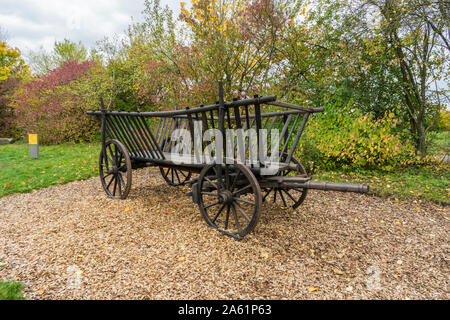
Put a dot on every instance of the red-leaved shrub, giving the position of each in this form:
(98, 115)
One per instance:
(54, 107)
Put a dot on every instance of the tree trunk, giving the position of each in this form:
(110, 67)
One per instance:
(421, 146)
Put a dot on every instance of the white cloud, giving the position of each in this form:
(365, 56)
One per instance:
(31, 24)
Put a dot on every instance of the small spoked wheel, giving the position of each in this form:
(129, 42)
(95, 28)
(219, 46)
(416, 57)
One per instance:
(292, 197)
(229, 200)
(175, 177)
(115, 170)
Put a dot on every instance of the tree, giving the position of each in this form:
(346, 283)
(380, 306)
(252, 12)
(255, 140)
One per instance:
(417, 51)
(65, 51)
(232, 41)
(11, 63)
(237, 40)
(380, 56)
(55, 105)
(13, 70)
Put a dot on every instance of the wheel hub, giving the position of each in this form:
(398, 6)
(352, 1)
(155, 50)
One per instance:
(226, 197)
(113, 169)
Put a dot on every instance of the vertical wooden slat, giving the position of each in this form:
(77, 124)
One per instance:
(258, 129)
(145, 139)
(297, 138)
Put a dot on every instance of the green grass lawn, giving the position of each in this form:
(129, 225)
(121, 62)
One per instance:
(11, 290)
(440, 143)
(69, 162)
(56, 165)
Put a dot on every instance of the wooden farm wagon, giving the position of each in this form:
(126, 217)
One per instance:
(229, 190)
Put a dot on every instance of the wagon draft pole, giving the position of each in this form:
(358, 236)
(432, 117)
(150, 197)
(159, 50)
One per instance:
(231, 187)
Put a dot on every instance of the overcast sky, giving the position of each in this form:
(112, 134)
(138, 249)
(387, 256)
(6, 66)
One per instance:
(34, 23)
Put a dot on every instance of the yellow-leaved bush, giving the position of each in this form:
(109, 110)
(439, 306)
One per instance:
(349, 139)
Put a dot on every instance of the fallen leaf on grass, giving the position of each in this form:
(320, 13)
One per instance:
(313, 289)
(181, 259)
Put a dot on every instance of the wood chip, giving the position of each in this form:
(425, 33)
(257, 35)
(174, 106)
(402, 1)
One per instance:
(72, 242)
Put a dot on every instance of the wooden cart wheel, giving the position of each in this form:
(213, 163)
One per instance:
(231, 205)
(115, 170)
(290, 197)
(175, 177)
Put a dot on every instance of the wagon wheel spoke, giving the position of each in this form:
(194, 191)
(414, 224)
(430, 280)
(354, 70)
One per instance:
(227, 219)
(119, 184)
(121, 181)
(115, 156)
(236, 219)
(178, 177)
(214, 194)
(290, 196)
(235, 180)
(115, 185)
(282, 197)
(120, 161)
(242, 189)
(268, 192)
(109, 174)
(110, 181)
(212, 205)
(183, 173)
(218, 213)
(242, 211)
(243, 200)
(111, 155)
(213, 183)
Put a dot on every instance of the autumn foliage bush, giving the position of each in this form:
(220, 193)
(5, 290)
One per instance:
(349, 139)
(13, 70)
(54, 105)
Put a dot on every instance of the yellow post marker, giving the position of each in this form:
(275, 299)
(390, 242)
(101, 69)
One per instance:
(33, 142)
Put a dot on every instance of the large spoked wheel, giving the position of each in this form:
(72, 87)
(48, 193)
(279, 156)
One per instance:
(293, 197)
(115, 170)
(175, 177)
(230, 204)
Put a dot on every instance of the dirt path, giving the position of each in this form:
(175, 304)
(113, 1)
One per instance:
(71, 241)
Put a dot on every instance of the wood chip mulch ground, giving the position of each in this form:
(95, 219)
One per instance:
(72, 242)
